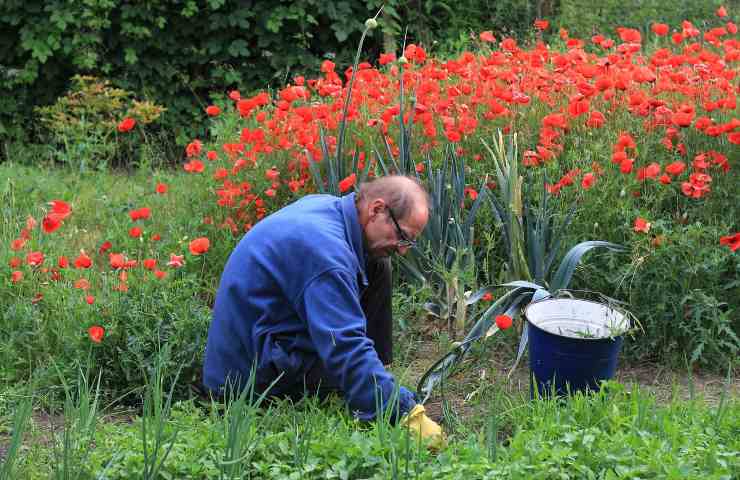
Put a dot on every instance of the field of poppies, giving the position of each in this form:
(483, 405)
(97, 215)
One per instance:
(109, 277)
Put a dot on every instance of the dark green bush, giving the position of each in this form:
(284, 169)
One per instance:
(173, 53)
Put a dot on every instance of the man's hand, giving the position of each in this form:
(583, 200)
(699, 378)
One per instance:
(420, 425)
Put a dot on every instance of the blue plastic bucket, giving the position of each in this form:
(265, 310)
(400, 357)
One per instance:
(573, 344)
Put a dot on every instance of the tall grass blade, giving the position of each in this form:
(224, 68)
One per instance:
(21, 421)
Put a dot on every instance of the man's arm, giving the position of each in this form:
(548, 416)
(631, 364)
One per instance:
(330, 306)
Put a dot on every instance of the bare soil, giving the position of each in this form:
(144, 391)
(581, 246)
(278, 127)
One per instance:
(477, 374)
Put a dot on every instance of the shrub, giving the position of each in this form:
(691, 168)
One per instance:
(92, 124)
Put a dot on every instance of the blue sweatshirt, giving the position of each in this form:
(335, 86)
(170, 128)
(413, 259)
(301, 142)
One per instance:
(290, 296)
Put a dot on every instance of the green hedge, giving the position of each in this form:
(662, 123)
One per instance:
(173, 52)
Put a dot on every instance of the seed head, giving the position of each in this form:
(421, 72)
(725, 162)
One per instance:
(371, 24)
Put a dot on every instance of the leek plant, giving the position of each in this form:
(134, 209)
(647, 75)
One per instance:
(78, 433)
(532, 244)
(244, 428)
(155, 416)
(21, 421)
(444, 258)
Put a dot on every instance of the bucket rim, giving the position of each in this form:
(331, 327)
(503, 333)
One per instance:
(624, 313)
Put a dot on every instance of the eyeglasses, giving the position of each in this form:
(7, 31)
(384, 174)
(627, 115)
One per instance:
(403, 241)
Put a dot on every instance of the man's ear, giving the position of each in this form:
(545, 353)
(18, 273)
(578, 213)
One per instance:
(376, 206)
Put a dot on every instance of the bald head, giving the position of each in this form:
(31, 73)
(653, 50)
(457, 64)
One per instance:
(392, 212)
(402, 194)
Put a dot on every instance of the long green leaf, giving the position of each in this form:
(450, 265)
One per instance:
(562, 277)
(558, 238)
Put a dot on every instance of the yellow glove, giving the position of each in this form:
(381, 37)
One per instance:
(419, 424)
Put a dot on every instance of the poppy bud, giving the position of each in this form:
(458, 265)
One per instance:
(371, 23)
(402, 60)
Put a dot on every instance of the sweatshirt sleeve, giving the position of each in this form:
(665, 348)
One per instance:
(330, 306)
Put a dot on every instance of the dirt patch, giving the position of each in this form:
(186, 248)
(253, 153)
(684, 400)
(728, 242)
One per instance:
(485, 367)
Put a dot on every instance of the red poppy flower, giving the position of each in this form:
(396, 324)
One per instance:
(641, 225)
(134, 232)
(386, 58)
(629, 35)
(15, 262)
(272, 174)
(588, 181)
(194, 148)
(82, 284)
(503, 321)
(721, 12)
(140, 214)
(156, 237)
(105, 247)
(596, 119)
(199, 246)
(541, 24)
(212, 110)
(160, 274)
(60, 207)
(17, 244)
(51, 222)
(270, 192)
(35, 259)
(487, 297)
(176, 261)
(63, 262)
(625, 166)
(96, 333)
(487, 36)
(150, 263)
(675, 168)
(732, 241)
(83, 261)
(161, 188)
(16, 276)
(116, 261)
(660, 29)
(90, 299)
(347, 183)
(194, 166)
(126, 125)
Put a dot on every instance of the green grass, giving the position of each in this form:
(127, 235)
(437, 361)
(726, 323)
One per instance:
(618, 433)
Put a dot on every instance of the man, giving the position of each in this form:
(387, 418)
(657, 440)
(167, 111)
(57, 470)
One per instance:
(305, 297)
